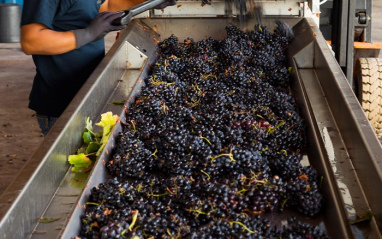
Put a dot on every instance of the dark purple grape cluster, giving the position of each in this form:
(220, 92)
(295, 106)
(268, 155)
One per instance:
(212, 144)
(114, 230)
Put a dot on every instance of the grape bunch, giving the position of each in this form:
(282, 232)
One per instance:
(211, 146)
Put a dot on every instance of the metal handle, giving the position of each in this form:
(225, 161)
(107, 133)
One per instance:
(146, 6)
(128, 14)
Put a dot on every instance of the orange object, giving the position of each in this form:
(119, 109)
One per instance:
(364, 45)
(368, 45)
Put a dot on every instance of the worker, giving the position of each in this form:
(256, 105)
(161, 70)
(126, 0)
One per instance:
(65, 39)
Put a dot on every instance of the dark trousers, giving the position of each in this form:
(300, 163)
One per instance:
(45, 123)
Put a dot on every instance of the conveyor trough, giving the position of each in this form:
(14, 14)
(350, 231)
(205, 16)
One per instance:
(342, 144)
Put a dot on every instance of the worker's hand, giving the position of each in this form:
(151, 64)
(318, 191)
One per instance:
(97, 29)
(166, 4)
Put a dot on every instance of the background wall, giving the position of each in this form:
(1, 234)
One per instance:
(20, 2)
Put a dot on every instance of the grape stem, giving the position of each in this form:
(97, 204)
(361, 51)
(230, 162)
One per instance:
(154, 154)
(156, 83)
(135, 216)
(260, 116)
(282, 205)
(122, 191)
(133, 122)
(257, 181)
(206, 140)
(263, 150)
(164, 107)
(157, 195)
(197, 211)
(241, 224)
(239, 112)
(208, 176)
(168, 190)
(204, 77)
(242, 191)
(230, 155)
(272, 129)
(289, 127)
(283, 151)
(169, 233)
(194, 103)
(123, 233)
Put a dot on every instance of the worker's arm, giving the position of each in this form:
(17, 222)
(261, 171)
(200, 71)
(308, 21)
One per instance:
(37, 39)
(120, 5)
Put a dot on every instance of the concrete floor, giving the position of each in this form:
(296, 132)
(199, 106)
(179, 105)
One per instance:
(19, 133)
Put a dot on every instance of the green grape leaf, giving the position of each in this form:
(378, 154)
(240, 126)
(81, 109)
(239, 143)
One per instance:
(89, 126)
(290, 70)
(81, 163)
(81, 150)
(121, 102)
(108, 121)
(87, 137)
(366, 218)
(92, 147)
(48, 220)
